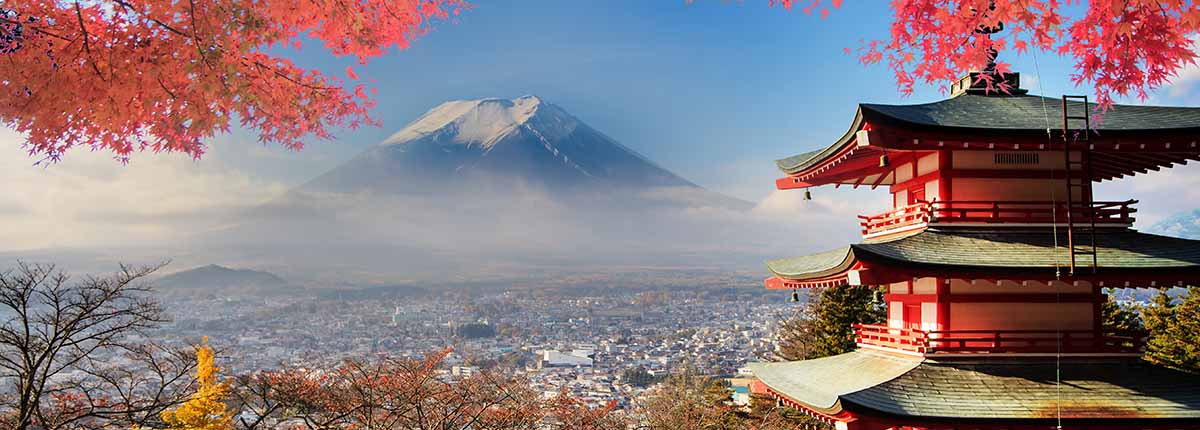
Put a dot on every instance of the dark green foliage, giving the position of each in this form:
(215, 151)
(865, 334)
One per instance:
(1174, 330)
(1124, 318)
(718, 392)
(763, 407)
(475, 331)
(826, 327)
(639, 377)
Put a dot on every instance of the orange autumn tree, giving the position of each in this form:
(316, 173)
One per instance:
(1120, 47)
(401, 393)
(206, 409)
(162, 75)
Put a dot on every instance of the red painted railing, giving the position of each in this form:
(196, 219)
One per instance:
(997, 212)
(998, 341)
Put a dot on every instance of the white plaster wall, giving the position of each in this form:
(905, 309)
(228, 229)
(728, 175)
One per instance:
(1014, 189)
(925, 286)
(929, 316)
(1020, 316)
(971, 159)
(904, 172)
(927, 163)
(896, 314)
(960, 286)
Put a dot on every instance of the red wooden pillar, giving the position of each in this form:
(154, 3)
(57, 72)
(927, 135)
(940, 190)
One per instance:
(945, 164)
(943, 303)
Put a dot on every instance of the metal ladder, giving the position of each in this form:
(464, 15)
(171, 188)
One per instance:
(1083, 203)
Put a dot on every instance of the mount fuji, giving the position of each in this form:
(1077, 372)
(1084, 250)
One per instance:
(490, 146)
(477, 188)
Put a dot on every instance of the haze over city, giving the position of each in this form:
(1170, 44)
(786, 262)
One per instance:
(595, 215)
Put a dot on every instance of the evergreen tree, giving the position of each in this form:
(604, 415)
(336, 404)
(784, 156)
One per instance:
(766, 409)
(826, 328)
(1121, 317)
(1174, 330)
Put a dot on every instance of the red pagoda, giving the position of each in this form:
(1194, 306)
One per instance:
(994, 258)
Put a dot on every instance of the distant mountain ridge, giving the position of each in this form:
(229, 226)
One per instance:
(1184, 224)
(490, 145)
(476, 189)
(213, 277)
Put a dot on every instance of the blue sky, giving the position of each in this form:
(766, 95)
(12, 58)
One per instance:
(712, 90)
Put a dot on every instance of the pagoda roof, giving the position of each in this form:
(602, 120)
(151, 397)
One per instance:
(877, 383)
(1000, 251)
(821, 383)
(976, 113)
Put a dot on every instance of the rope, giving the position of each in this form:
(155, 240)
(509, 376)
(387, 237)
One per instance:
(1054, 232)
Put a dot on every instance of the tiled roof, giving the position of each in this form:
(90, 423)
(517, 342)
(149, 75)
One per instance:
(1030, 113)
(1119, 249)
(998, 389)
(1019, 113)
(820, 383)
(1000, 250)
(811, 266)
(1027, 388)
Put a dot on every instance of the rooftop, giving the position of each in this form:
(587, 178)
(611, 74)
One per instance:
(1022, 253)
(985, 391)
(1021, 117)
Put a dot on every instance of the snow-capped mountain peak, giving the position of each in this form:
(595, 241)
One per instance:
(496, 146)
(485, 122)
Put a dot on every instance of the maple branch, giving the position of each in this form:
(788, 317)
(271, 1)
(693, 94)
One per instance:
(87, 47)
(129, 7)
(34, 28)
(164, 87)
(289, 79)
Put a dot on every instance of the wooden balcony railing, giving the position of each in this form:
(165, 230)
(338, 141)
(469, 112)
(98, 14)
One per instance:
(998, 212)
(999, 341)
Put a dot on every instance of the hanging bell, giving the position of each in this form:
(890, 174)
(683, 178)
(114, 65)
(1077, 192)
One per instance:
(883, 161)
(807, 194)
(795, 296)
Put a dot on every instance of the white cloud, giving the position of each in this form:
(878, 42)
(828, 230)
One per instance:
(90, 199)
(1187, 79)
(1159, 194)
(1030, 82)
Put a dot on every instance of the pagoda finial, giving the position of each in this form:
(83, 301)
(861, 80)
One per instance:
(988, 31)
(992, 80)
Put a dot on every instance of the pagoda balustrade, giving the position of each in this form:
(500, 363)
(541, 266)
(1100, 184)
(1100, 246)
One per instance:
(997, 212)
(931, 342)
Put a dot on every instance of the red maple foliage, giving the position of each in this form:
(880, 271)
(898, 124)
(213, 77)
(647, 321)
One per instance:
(1124, 47)
(394, 393)
(163, 75)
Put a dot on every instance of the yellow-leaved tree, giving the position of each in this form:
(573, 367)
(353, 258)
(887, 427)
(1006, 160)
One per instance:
(206, 409)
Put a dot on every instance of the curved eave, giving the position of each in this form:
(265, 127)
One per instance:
(1130, 139)
(819, 384)
(814, 266)
(1127, 259)
(798, 163)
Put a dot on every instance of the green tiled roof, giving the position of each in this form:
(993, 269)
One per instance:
(1003, 250)
(986, 390)
(1025, 113)
(812, 266)
(820, 383)
(1026, 388)
(1020, 113)
(1119, 249)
